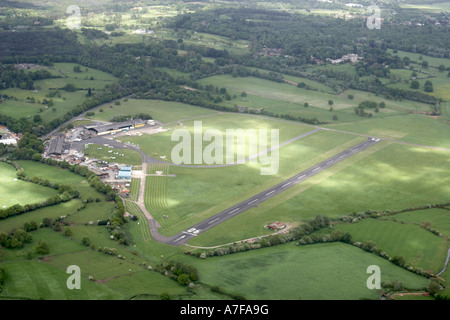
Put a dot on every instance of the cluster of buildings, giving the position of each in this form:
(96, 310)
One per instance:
(271, 52)
(69, 147)
(7, 137)
(352, 58)
(275, 226)
(116, 127)
(57, 146)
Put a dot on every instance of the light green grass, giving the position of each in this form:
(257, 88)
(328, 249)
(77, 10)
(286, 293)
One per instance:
(38, 280)
(321, 272)
(98, 265)
(109, 154)
(134, 190)
(140, 229)
(162, 145)
(14, 191)
(163, 111)
(277, 91)
(412, 128)
(145, 282)
(60, 176)
(197, 193)
(383, 177)
(437, 219)
(92, 212)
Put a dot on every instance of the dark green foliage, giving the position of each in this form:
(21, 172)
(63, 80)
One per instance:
(42, 247)
(121, 118)
(16, 239)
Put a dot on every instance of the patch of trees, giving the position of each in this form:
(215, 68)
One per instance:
(65, 193)
(2, 277)
(184, 274)
(16, 239)
(116, 222)
(15, 45)
(295, 234)
(121, 118)
(42, 247)
(12, 21)
(10, 77)
(27, 147)
(322, 37)
(92, 33)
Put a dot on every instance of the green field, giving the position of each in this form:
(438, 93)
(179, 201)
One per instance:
(109, 154)
(14, 191)
(52, 212)
(283, 98)
(61, 176)
(316, 272)
(163, 111)
(191, 196)
(162, 145)
(411, 128)
(92, 213)
(37, 280)
(62, 102)
(383, 177)
(440, 80)
(419, 247)
(436, 219)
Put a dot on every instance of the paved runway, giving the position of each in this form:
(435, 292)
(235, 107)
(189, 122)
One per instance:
(213, 221)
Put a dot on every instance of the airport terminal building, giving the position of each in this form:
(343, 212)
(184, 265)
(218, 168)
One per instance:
(116, 127)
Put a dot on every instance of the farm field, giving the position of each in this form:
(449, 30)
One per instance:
(441, 86)
(287, 272)
(418, 246)
(283, 98)
(52, 212)
(436, 219)
(163, 111)
(410, 128)
(14, 191)
(37, 280)
(63, 101)
(92, 212)
(59, 175)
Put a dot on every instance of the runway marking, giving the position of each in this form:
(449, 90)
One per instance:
(179, 238)
(252, 201)
(213, 220)
(286, 184)
(233, 210)
(270, 192)
(316, 169)
(301, 176)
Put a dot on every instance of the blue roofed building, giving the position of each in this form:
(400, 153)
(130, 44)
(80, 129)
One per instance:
(124, 173)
